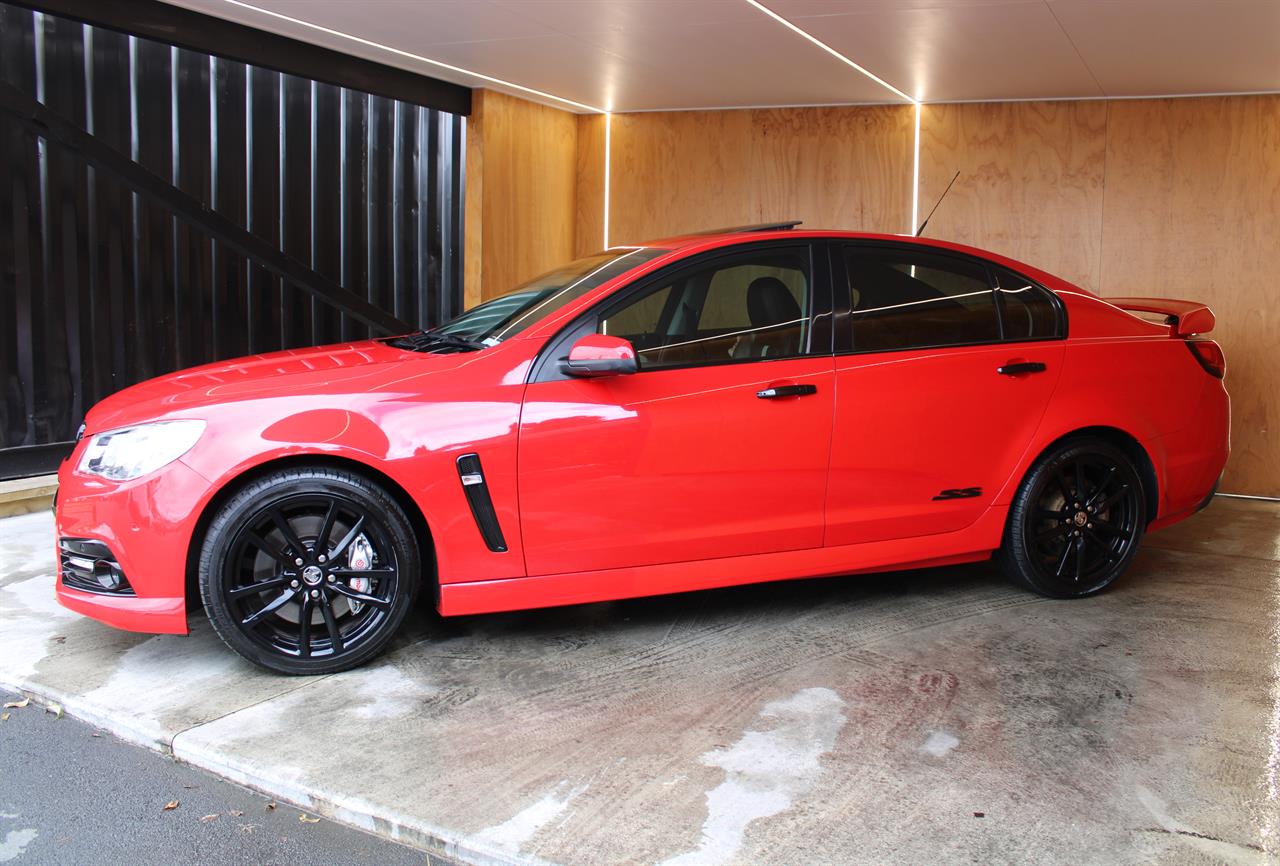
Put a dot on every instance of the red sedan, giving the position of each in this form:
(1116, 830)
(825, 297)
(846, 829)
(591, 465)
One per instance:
(696, 412)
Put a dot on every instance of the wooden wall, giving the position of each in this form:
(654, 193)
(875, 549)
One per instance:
(684, 171)
(1174, 198)
(1192, 210)
(521, 200)
(589, 229)
(1030, 184)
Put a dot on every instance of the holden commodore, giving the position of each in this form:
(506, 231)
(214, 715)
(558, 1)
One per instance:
(714, 409)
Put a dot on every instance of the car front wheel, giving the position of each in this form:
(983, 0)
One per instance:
(309, 570)
(1076, 521)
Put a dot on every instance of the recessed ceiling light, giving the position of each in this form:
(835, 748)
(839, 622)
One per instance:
(418, 57)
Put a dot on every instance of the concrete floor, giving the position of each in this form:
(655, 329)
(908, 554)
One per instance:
(935, 716)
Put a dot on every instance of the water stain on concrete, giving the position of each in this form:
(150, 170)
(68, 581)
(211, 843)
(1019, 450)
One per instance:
(512, 835)
(939, 744)
(766, 770)
(31, 616)
(15, 843)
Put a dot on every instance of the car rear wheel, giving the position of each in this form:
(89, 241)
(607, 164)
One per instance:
(1076, 521)
(309, 570)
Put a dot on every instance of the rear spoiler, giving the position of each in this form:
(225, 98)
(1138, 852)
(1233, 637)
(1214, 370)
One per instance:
(1185, 317)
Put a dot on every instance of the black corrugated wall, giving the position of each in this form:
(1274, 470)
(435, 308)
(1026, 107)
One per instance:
(100, 288)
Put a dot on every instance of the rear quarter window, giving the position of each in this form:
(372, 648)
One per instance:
(1029, 312)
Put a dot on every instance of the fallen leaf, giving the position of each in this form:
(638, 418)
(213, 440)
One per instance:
(17, 705)
(307, 819)
(205, 819)
(56, 709)
(170, 806)
(271, 806)
(4, 717)
(235, 813)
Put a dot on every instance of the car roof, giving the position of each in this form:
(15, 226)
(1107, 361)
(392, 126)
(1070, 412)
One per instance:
(694, 241)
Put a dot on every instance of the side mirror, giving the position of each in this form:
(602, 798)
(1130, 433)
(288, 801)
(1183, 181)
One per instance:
(599, 355)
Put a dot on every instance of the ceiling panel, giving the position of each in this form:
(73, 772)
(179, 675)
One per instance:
(634, 55)
(420, 24)
(954, 51)
(631, 55)
(622, 16)
(1164, 47)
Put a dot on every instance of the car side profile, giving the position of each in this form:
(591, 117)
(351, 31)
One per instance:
(696, 412)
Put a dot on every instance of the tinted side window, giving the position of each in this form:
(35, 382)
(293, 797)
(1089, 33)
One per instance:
(905, 299)
(750, 306)
(1029, 314)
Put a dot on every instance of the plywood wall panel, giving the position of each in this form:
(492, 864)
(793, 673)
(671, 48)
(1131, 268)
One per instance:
(527, 169)
(473, 208)
(839, 168)
(676, 172)
(1193, 211)
(589, 228)
(682, 171)
(1157, 197)
(1030, 185)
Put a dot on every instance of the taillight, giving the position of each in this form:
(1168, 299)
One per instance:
(1210, 356)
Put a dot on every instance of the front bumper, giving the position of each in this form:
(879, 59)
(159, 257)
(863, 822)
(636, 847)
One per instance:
(147, 524)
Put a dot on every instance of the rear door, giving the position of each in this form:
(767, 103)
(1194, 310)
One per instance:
(717, 447)
(942, 377)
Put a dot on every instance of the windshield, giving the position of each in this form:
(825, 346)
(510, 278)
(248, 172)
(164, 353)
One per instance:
(509, 314)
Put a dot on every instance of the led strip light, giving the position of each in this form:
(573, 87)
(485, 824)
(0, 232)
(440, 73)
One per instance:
(410, 55)
(915, 157)
(608, 159)
(827, 48)
(608, 117)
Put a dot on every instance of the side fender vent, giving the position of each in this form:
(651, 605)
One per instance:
(471, 474)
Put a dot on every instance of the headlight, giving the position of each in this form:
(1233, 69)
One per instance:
(132, 451)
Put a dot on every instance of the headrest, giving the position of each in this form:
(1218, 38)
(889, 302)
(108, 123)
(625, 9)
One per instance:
(770, 302)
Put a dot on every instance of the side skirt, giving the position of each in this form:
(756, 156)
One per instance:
(971, 544)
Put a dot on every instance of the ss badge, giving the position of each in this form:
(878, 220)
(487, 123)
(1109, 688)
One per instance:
(959, 493)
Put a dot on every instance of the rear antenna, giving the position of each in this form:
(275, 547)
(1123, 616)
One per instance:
(920, 230)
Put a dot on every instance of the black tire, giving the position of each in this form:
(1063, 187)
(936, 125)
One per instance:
(1076, 521)
(263, 566)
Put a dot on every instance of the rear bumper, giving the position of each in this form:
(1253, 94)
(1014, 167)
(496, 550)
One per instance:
(1204, 503)
(1195, 458)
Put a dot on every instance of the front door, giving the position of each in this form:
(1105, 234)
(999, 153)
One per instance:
(718, 446)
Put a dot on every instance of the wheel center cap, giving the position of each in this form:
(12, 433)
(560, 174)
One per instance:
(312, 575)
(1080, 520)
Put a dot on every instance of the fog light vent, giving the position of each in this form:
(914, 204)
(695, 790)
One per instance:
(89, 566)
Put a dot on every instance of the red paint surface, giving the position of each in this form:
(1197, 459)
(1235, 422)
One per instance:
(663, 481)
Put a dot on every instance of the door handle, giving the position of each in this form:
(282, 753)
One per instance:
(1021, 367)
(778, 391)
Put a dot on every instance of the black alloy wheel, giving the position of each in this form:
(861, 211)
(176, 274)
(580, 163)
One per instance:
(1076, 521)
(309, 571)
